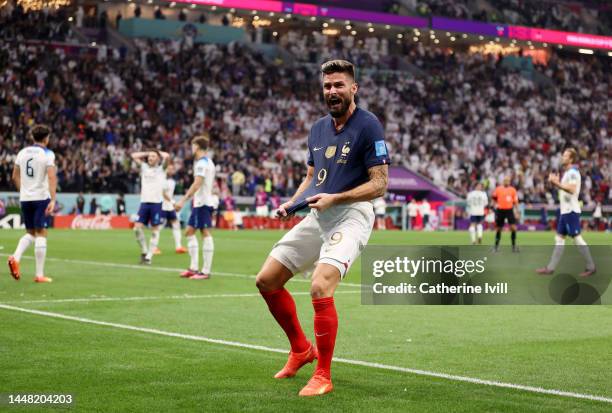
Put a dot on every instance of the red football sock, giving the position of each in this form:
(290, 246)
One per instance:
(325, 327)
(282, 307)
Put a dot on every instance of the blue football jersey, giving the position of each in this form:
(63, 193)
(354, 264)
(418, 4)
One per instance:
(341, 159)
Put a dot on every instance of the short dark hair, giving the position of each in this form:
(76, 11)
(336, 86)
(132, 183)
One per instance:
(201, 140)
(573, 153)
(39, 132)
(338, 66)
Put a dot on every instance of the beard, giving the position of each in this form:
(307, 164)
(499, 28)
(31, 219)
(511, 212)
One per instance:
(337, 105)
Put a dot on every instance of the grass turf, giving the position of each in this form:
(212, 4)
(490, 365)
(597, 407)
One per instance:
(107, 369)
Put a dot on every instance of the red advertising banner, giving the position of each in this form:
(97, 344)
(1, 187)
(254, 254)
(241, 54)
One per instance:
(557, 37)
(91, 222)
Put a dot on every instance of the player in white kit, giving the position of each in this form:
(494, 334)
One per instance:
(201, 212)
(477, 201)
(35, 177)
(380, 210)
(168, 212)
(569, 220)
(152, 179)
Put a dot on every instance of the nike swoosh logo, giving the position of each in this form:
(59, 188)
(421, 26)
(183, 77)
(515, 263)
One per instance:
(317, 149)
(321, 335)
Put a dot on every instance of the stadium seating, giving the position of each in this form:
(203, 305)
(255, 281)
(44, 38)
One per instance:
(464, 118)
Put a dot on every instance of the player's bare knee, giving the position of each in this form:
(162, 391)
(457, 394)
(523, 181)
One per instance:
(266, 282)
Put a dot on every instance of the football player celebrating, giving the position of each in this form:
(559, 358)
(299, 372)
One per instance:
(347, 169)
(35, 177)
(152, 179)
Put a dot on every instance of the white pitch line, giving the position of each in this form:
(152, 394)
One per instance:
(165, 269)
(154, 298)
(532, 389)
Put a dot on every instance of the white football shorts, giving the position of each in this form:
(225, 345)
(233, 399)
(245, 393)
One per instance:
(335, 236)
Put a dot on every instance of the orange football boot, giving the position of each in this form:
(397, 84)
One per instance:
(43, 279)
(14, 268)
(181, 250)
(296, 361)
(317, 386)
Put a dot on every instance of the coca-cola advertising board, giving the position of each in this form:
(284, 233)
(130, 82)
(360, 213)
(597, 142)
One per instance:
(91, 222)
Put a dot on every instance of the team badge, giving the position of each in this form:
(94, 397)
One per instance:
(330, 152)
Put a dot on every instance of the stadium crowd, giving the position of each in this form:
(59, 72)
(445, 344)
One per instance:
(591, 16)
(469, 118)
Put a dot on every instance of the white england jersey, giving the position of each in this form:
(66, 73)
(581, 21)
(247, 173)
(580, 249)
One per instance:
(33, 162)
(569, 202)
(151, 183)
(169, 186)
(205, 168)
(476, 203)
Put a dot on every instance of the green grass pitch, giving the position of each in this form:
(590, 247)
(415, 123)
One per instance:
(114, 367)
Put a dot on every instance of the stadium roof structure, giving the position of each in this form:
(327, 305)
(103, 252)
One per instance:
(496, 30)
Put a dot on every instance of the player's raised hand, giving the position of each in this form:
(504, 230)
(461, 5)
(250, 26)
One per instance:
(553, 178)
(281, 212)
(322, 201)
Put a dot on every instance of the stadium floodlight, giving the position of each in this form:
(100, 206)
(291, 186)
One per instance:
(416, 39)
(464, 36)
(353, 32)
(585, 51)
(325, 24)
(349, 27)
(610, 54)
(480, 37)
(400, 36)
(387, 26)
(371, 29)
(281, 20)
(453, 38)
(436, 41)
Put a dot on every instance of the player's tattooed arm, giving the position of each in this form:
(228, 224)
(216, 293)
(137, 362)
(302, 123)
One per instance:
(374, 188)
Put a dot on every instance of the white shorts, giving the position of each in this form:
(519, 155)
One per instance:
(262, 211)
(334, 237)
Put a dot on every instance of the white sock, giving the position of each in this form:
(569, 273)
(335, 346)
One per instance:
(472, 233)
(176, 233)
(154, 242)
(192, 246)
(479, 230)
(557, 253)
(208, 249)
(583, 248)
(40, 252)
(23, 245)
(140, 238)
